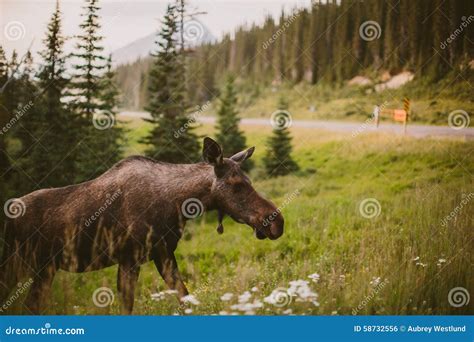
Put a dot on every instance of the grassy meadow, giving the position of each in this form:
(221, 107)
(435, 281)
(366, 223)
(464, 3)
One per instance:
(402, 261)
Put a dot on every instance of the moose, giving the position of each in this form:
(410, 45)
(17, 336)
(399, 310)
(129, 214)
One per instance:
(133, 213)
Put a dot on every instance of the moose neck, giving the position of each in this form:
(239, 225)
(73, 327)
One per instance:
(191, 181)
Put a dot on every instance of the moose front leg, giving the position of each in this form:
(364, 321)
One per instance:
(126, 280)
(166, 264)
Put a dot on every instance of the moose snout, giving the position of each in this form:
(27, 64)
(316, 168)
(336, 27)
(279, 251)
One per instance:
(273, 225)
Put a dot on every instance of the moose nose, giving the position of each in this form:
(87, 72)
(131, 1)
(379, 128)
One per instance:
(276, 228)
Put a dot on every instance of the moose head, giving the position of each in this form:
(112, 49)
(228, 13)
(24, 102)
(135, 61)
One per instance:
(234, 195)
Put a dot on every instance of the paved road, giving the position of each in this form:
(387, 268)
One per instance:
(418, 131)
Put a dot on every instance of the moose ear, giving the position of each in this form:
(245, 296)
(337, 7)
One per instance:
(243, 155)
(212, 152)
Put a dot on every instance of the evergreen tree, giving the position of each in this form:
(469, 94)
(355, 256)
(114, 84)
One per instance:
(98, 148)
(49, 157)
(228, 135)
(167, 102)
(111, 138)
(278, 160)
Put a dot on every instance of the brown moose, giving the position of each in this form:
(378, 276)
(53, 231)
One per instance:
(133, 213)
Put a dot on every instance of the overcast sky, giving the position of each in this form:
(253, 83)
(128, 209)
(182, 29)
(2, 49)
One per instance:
(24, 21)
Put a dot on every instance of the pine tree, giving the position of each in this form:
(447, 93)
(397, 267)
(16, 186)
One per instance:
(167, 105)
(278, 160)
(98, 148)
(50, 156)
(90, 65)
(110, 139)
(228, 135)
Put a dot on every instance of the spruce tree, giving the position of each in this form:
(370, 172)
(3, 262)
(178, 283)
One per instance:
(229, 136)
(171, 139)
(277, 160)
(112, 138)
(98, 148)
(49, 159)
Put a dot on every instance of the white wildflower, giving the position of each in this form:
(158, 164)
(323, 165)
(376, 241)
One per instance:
(375, 281)
(227, 296)
(190, 299)
(188, 311)
(314, 277)
(245, 297)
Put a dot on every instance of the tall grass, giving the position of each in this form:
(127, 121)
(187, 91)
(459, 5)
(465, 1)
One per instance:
(401, 261)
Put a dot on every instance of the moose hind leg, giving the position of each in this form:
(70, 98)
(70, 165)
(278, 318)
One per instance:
(39, 290)
(126, 280)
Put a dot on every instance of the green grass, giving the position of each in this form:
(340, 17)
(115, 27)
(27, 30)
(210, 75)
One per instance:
(416, 182)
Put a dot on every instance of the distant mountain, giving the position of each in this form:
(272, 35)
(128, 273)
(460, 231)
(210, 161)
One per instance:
(195, 33)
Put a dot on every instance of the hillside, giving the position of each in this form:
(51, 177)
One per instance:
(305, 48)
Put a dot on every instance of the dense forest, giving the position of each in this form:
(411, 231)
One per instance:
(328, 43)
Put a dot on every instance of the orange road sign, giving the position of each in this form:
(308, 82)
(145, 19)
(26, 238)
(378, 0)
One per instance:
(399, 115)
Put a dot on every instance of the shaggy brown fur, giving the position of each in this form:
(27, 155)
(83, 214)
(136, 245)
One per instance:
(131, 214)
